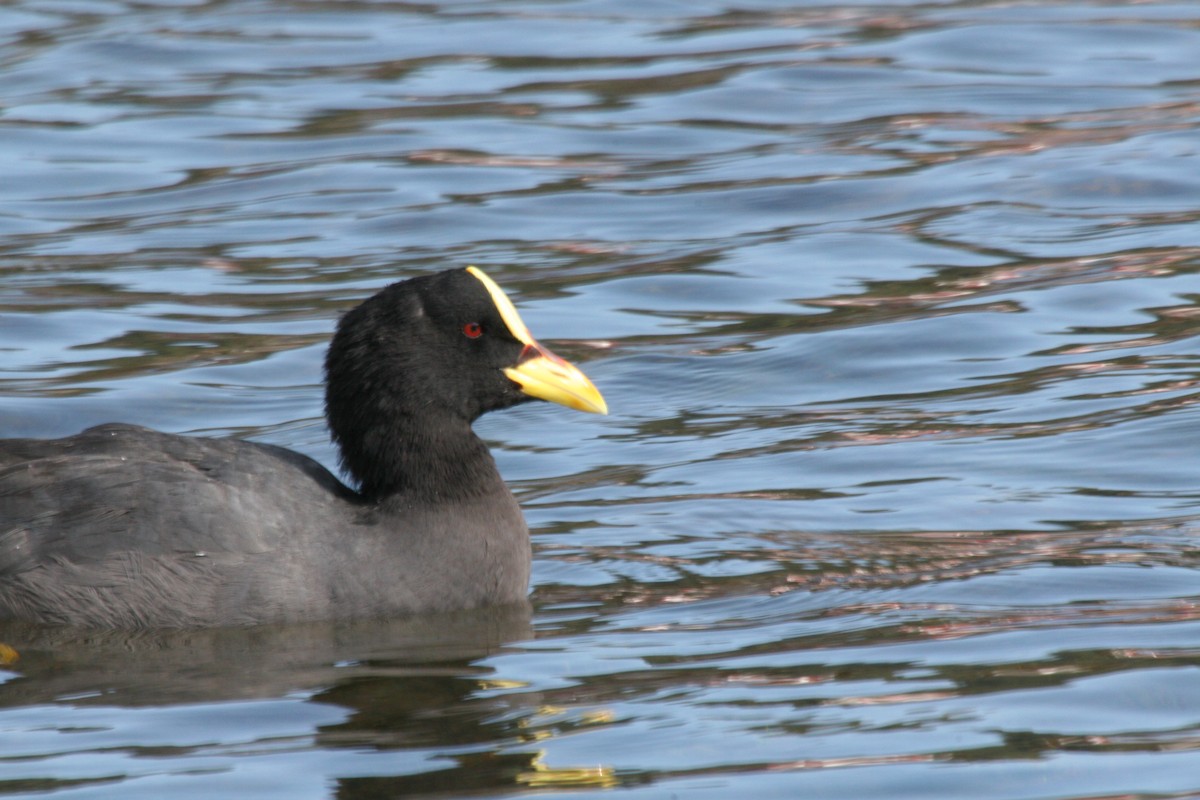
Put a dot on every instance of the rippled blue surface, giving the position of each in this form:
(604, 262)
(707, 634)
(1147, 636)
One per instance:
(895, 306)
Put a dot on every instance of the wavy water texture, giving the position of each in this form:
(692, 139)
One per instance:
(895, 305)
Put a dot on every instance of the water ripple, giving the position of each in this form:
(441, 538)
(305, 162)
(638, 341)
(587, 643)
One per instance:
(894, 306)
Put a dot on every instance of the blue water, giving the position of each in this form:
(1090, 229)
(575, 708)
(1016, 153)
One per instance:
(895, 307)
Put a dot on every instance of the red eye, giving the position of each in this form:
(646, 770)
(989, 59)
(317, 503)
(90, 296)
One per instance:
(472, 330)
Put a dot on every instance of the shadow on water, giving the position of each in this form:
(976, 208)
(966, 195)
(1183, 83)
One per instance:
(414, 683)
(160, 666)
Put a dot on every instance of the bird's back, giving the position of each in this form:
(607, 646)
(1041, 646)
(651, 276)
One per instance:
(121, 525)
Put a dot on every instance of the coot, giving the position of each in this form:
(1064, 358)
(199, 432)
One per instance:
(125, 527)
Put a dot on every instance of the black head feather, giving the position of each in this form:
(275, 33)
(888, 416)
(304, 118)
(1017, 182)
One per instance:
(406, 377)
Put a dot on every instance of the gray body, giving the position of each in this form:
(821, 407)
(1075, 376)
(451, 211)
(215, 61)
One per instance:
(121, 526)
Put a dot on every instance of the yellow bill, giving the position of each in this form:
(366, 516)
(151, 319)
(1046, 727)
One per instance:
(539, 372)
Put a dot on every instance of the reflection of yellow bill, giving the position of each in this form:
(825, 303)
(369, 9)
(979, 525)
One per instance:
(544, 777)
(497, 683)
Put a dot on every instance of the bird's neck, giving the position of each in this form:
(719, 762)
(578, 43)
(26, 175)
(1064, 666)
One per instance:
(431, 459)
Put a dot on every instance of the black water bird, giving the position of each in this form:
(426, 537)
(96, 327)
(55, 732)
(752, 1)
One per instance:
(125, 527)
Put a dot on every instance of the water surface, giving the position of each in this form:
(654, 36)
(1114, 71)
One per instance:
(895, 306)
